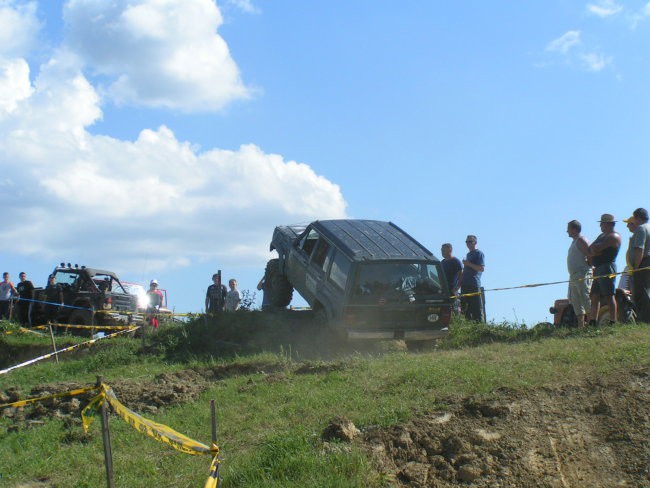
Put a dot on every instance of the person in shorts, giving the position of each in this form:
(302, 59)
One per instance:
(603, 253)
(580, 275)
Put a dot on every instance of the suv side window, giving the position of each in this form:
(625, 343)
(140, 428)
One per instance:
(321, 253)
(308, 242)
(340, 269)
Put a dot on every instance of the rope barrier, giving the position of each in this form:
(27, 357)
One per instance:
(534, 285)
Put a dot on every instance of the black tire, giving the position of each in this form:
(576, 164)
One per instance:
(81, 317)
(276, 285)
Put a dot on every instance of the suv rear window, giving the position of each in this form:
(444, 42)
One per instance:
(397, 282)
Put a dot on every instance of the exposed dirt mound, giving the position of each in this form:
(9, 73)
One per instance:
(594, 434)
(144, 397)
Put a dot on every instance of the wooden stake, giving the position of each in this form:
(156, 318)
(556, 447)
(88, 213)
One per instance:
(106, 437)
(213, 413)
(56, 356)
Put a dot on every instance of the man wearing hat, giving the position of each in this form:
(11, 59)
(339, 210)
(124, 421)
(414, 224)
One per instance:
(604, 251)
(639, 256)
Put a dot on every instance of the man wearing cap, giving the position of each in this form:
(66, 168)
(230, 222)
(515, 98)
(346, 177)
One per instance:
(639, 254)
(603, 257)
(580, 275)
(470, 281)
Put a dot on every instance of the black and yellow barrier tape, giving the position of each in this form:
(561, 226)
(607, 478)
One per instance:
(155, 430)
(28, 401)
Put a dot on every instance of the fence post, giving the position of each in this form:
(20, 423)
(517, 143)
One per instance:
(56, 356)
(213, 414)
(483, 304)
(106, 437)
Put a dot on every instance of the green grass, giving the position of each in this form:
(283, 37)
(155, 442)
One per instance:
(270, 423)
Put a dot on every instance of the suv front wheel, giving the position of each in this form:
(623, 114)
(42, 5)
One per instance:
(276, 285)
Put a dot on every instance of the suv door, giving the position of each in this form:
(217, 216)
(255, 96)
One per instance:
(318, 267)
(299, 259)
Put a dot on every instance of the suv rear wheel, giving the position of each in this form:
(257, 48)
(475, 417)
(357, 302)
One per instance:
(276, 285)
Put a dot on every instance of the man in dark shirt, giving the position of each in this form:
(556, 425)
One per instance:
(453, 269)
(470, 283)
(26, 293)
(215, 298)
(54, 299)
(603, 257)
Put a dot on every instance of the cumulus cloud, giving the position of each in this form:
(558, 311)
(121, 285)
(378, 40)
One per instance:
(158, 53)
(604, 8)
(573, 51)
(72, 193)
(18, 27)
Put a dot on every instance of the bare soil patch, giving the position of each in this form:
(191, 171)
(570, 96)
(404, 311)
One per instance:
(595, 434)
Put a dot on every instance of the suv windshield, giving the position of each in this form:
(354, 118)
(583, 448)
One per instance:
(397, 282)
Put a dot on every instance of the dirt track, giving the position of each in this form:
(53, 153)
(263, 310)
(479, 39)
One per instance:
(592, 434)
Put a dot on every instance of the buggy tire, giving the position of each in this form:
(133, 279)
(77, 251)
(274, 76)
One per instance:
(276, 285)
(81, 317)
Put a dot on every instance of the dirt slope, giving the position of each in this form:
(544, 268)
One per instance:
(593, 434)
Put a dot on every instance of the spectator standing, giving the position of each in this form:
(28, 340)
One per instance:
(580, 275)
(473, 267)
(215, 297)
(625, 281)
(154, 302)
(53, 296)
(640, 259)
(453, 269)
(603, 253)
(26, 294)
(7, 292)
(233, 297)
(261, 286)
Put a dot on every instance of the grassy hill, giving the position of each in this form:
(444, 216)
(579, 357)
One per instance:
(492, 406)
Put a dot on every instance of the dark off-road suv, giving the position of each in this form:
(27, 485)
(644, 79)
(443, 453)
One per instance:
(364, 278)
(87, 291)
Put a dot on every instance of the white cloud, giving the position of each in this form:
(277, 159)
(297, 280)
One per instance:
(565, 42)
(604, 8)
(595, 62)
(18, 27)
(76, 195)
(158, 53)
(14, 84)
(244, 5)
(573, 52)
(69, 191)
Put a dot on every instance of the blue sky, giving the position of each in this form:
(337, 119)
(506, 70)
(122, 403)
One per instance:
(166, 138)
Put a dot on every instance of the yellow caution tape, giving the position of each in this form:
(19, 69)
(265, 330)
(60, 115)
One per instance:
(213, 478)
(70, 348)
(98, 327)
(22, 403)
(157, 431)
